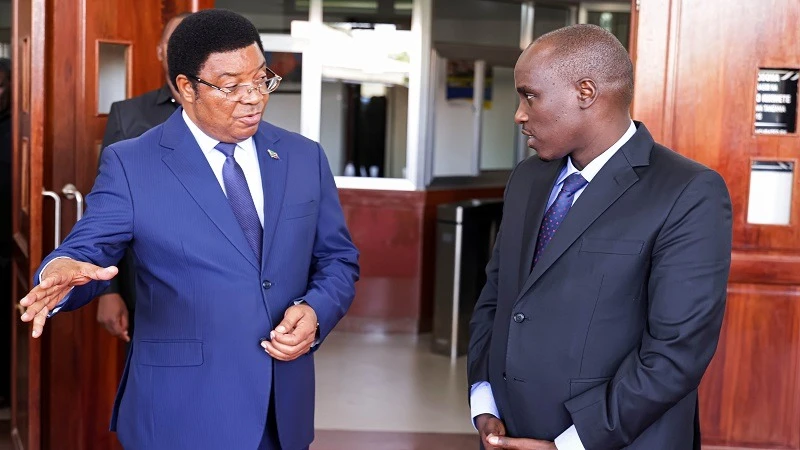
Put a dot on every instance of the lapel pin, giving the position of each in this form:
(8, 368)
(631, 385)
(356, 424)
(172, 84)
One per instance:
(273, 155)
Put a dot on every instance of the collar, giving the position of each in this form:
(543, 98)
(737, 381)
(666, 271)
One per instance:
(165, 96)
(206, 142)
(591, 170)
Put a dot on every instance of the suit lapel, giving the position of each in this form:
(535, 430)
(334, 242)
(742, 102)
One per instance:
(538, 195)
(186, 160)
(616, 177)
(273, 178)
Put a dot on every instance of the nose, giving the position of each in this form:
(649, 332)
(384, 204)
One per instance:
(253, 96)
(521, 116)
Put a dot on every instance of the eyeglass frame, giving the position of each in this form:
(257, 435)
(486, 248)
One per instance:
(251, 87)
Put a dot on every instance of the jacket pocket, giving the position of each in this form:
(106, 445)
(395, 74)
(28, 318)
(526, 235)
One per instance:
(578, 386)
(169, 353)
(299, 210)
(612, 246)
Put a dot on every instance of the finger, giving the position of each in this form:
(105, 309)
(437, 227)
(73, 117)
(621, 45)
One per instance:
(38, 322)
(275, 353)
(126, 337)
(56, 286)
(292, 350)
(302, 332)
(108, 325)
(503, 442)
(116, 329)
(290, 319)
(123, 320)
(49, 299)
(93, 272)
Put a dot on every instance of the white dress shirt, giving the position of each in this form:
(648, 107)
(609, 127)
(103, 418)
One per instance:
(481, 397)
(245, 156)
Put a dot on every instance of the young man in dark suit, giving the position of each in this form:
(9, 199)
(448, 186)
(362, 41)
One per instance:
(126, 120)
(606, 289)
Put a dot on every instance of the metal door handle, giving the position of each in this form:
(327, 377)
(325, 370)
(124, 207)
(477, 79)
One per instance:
(70, 191)
(57, 220)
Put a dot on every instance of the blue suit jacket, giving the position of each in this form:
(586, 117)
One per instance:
(196, 376)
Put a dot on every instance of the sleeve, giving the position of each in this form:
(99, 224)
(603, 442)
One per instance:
(105, 230)
(113, 134)
(689, 271)
(335, 269)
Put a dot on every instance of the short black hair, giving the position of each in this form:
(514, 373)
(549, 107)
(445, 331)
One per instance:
(590, 51)
(205, 32)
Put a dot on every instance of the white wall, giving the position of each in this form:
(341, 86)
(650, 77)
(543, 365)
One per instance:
(332, 125)
(453, 122)
(283, 110)
(499, 130)
(112, 74)
(396, 132)
(452, 130)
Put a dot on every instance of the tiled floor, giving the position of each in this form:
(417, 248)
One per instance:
(389, 383)
(383, 393)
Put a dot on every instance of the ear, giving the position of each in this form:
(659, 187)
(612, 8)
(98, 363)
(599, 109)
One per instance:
(160, 53)
(587, 92)
(186, 91)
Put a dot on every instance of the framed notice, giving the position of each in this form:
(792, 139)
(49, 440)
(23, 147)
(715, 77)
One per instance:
(776, 101)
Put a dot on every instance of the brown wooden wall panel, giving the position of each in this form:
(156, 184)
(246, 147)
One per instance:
(751, 392)
(395, 232)
(386, 227)
(696, 65)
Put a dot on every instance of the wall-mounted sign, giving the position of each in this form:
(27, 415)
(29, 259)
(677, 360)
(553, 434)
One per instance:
(776, 101)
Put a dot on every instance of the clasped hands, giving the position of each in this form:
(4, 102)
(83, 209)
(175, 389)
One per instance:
(294, 336)
(493, 436)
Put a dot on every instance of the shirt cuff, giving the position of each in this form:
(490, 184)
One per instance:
(569, 440)
(66, 297)
(481, 401)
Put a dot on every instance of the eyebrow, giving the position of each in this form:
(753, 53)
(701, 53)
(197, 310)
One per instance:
(234, 75)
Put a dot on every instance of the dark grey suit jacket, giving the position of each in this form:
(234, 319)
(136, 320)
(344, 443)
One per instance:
(126, 120)
(614, 327)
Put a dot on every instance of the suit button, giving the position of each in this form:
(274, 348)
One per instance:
(519, 317)
(266, 284)
(504, 376)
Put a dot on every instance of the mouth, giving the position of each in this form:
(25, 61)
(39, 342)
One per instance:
(531, 138)
(250, 119)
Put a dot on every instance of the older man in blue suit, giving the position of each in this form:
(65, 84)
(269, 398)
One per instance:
(245, 263)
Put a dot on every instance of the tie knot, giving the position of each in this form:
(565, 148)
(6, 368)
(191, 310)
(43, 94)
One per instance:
(573, 183)
(226, 148)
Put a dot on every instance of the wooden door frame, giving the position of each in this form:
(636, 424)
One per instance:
(28, 79)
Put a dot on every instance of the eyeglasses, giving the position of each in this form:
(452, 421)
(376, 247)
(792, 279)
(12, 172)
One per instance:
(236, 93)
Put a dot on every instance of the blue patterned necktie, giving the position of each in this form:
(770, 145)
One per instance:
(240, 199)
(557, 212)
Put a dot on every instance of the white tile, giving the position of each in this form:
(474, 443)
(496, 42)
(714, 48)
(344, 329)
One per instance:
(389, 383)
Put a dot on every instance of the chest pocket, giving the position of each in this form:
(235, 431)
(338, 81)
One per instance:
(299, 210)
(612, 246)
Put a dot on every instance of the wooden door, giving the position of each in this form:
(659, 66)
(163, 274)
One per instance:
(28, 112)
(697, 74)
(65, 382)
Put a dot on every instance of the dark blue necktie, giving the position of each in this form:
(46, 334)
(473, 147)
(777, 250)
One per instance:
(240, 199)
(557, 212)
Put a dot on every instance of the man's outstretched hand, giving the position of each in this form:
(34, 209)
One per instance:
(57, 280)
